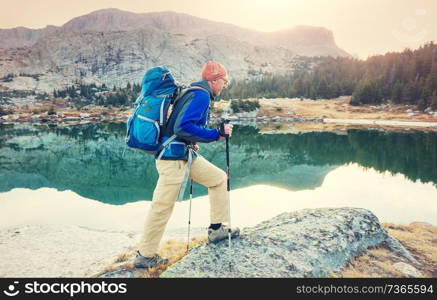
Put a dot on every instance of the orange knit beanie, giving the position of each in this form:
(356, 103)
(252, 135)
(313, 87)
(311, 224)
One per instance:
(213, 70)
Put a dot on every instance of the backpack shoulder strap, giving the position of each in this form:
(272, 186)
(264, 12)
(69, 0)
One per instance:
(185, 90)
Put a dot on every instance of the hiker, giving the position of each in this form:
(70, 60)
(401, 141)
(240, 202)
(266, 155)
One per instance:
(187, 121)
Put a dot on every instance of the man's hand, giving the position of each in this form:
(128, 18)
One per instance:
(227, 130)
(196, 147)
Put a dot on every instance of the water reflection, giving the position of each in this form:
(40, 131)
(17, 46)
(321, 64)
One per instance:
(92, 161)
(392, 198)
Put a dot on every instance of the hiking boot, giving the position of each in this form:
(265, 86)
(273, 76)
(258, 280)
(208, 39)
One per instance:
(149, 262)
(215, 236)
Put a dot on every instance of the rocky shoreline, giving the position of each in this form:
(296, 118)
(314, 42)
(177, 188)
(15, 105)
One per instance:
(61, 118)
(90, 118)
(35, 119)
(320, 114)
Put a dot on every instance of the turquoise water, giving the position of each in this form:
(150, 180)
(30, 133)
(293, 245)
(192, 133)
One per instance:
(92, 160)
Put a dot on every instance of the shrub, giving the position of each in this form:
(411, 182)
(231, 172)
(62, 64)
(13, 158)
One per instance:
(354, 101)
(244, 105)
(8, 78)
(51, 111)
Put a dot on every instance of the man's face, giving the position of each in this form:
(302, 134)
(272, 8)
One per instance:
(218, 85)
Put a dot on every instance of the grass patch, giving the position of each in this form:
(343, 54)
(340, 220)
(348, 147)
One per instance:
(418, 238)
(174, 250)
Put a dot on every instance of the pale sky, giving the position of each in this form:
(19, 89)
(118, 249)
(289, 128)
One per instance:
(361, 27)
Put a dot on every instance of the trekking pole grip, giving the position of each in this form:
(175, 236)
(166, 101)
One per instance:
(222, 128)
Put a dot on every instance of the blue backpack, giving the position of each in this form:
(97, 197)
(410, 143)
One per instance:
(159, 90)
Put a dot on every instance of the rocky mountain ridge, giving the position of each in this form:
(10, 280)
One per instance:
(113, 47)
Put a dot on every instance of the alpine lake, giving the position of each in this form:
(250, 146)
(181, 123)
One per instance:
(392, 173)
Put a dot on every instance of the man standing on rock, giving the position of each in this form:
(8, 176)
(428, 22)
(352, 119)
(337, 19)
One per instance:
(187, 121)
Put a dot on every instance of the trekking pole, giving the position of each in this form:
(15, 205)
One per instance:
(189, 214)
(228, 187)
(228, 173)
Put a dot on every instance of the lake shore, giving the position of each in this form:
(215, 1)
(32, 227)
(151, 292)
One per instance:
(289, 115)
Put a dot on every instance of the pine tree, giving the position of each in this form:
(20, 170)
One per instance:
(405, 78)
(433, 101)
(396, 94)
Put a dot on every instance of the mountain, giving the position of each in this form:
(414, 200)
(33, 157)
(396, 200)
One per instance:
(308, 41)
(113, 46)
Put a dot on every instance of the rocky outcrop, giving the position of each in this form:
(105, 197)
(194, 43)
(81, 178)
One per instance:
(118, 57)
(305, 243)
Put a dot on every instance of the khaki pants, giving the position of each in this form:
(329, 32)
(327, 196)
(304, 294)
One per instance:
(171, 174)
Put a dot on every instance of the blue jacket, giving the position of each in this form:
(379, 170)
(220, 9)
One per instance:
(187, 121)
